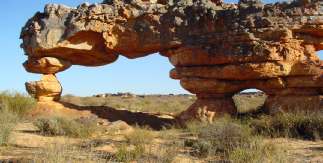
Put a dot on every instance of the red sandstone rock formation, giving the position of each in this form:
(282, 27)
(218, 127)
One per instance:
(217, 49)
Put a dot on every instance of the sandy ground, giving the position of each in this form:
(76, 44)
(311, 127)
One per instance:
(26, 142)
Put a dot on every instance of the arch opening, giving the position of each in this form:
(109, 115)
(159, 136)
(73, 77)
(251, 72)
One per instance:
(320, 55)
(149, 75)
(249, 100)
(147, 86)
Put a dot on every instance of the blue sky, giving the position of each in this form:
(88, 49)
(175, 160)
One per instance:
(144, 75)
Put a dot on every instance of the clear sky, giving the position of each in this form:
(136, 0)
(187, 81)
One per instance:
(144, 75)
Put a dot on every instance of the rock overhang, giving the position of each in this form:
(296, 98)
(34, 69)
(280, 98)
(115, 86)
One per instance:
(144, 27)
(217, 49)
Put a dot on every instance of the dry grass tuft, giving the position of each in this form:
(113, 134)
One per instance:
(58, 126)
(233, 141)
(16, 103)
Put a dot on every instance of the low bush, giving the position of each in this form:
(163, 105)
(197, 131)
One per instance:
(294, 125)
(233, 141)
(258, 151)
(79, 128)
(221, 137)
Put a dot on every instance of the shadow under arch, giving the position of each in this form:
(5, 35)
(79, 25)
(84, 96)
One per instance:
(132, 118)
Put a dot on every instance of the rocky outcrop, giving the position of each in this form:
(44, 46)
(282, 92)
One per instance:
(46, 65)
(47, 89)
(217, 49)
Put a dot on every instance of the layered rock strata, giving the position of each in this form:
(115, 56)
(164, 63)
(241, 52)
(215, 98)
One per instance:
(47, 89)
(217, 49)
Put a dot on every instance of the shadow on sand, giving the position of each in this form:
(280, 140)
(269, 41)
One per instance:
(132, 118)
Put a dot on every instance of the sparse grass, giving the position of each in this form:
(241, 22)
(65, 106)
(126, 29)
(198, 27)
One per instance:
(139, 139)
(237, 139)
(231, 140)
(16, 103)
(161, 103)
(258, 151)
(140, 136)
(8, 121)
(221, 137)
(13, 106)
(246, 103)
(149, 103)
(79, 128)
(140, 147)
(125, 154)
(60, 153)
(294, 125)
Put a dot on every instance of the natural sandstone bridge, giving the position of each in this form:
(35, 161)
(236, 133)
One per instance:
(217, 49)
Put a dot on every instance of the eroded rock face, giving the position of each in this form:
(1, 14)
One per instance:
(47, 89)
(46, 65)
(217, 49)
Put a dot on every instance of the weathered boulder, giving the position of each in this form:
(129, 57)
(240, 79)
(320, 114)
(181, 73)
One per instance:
(217, 49)
(47, 89)
(46, 65)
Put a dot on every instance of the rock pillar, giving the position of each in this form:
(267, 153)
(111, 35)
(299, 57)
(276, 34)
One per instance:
(48, 88)
(292, 82)
(208, 106)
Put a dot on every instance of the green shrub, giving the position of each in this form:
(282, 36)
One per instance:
(80, 128)
(16, 103)
(8, 121)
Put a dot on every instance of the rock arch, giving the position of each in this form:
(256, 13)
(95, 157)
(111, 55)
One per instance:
(217, 49)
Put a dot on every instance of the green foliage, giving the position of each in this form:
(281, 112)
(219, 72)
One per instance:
(79, 128)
